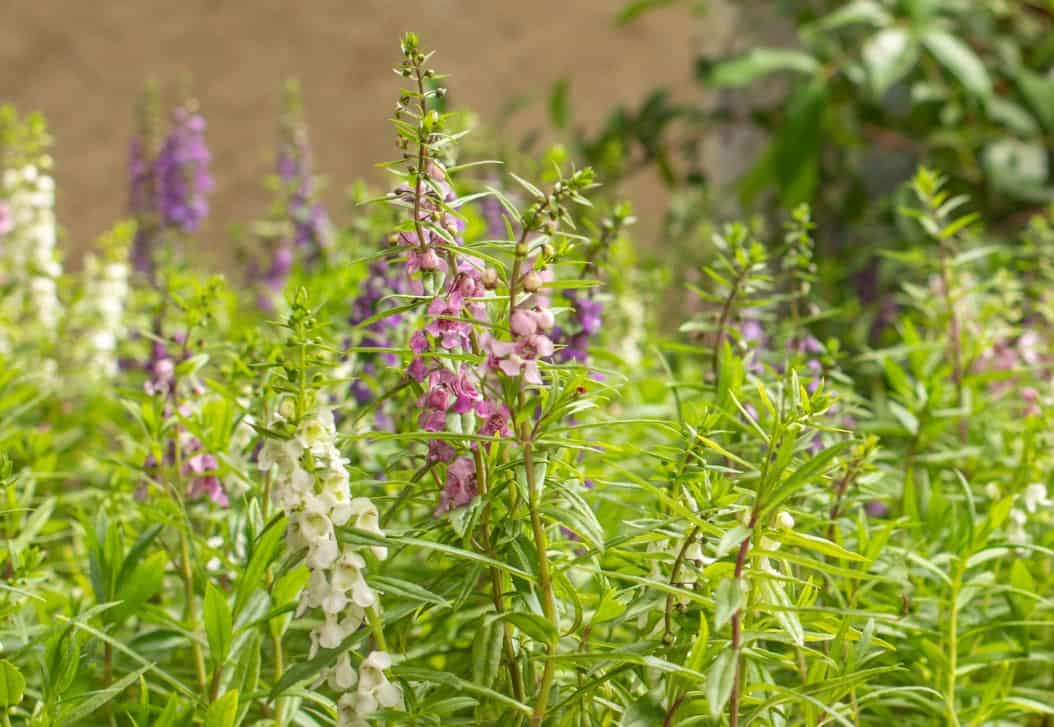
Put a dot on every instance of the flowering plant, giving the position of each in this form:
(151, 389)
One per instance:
(467, 477)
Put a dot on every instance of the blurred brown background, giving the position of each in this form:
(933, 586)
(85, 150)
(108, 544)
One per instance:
(83, 63)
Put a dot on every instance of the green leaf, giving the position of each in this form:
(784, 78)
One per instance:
(486, 653)
(732, 539)
(94, 700)
(537, 627)
(728, 599)
(888, 56)
(1018, 168)
(457, 683)
(407, 590)
(1038, 92)
(697, 655)
(609, 608)
(143, 584)
(719, 680)
(219, 624)
(12, 684)
(868, 12)
(814, 543)
(758, 62)
(133, 559)
(959, 60)
(224, 711)
(268, 544)
(907, 420)
(811, 470)
(645, 711)
(795, 153)
(774, 593)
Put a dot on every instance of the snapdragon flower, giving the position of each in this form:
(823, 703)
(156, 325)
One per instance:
(311, 485)
(373, 690)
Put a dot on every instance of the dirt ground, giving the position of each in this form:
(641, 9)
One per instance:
(84, 62)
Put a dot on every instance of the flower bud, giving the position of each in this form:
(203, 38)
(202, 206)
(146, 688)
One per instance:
(532, 281)
(489, 276)
(785, 521)
(287, 409)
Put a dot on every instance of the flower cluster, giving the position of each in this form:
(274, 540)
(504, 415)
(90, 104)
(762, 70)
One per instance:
(29, 248)
(1010, 355)
(28, 259)
(168, 179)
(142, 196)
(573, 338)
(311, 485)
(530, 323)
(454, 395)
(312, 230)
(1031, 501)
(302, 223)
(586, 316)
(181, 398)
(100, 311)
(182, 172)
(372, 689)
(380, 282)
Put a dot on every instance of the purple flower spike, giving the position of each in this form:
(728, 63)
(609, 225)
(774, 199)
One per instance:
(182, 173)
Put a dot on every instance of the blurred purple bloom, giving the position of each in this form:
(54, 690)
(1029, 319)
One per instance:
(182, 173)
(380, 283)
(876, 509)
(586, 317)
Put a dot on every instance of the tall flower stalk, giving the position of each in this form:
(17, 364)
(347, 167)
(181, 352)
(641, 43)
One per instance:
(481, 353)
(308, 480)
(169, 177)
(299, 226)
(98, 318)
(27, 190)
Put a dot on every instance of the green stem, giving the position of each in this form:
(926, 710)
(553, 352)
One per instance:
(674, 575)
(191, 612)
(722, 324)
(544, 583)
(377, 627)
(498, 584)
(737, 627)
(953, 644)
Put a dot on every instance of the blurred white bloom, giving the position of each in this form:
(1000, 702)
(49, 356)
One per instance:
(1035, 496)
(1015, 531)
(28, 253)
(785, 521)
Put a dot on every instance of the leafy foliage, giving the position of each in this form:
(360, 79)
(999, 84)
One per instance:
(468, 476)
